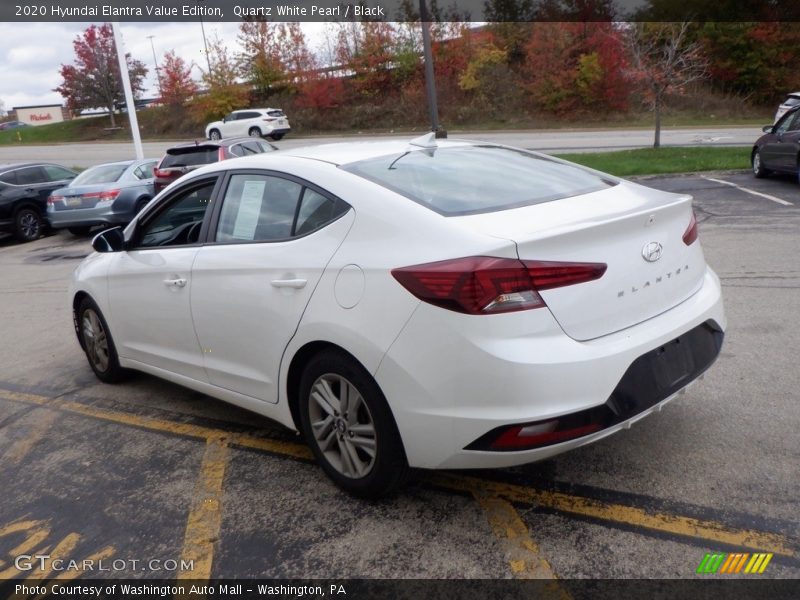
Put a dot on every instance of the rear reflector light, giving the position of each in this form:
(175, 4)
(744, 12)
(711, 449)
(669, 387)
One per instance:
(690, 236)
(525, 437)
(479, 285)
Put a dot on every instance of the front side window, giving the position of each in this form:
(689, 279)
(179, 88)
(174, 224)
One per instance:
(258, 208)
(179, 222)
(462, 180)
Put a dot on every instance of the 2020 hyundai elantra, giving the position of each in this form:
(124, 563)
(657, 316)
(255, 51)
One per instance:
(433, 303)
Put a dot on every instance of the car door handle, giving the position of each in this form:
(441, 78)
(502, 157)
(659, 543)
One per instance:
(296, 284)
(179, 282)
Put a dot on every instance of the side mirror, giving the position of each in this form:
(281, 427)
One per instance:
(767, 128)
(110, 240)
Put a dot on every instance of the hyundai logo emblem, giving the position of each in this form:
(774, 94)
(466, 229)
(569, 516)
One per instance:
(652, 251)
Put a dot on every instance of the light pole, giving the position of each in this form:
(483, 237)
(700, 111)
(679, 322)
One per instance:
(126, 86)
(430, 79)
(155, 60)
(205, 43)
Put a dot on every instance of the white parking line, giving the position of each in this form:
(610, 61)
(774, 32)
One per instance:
(749, 191)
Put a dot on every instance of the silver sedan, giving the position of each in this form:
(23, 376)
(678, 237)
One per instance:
(106, 195)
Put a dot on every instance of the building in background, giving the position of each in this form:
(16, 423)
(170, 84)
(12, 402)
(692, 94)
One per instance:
(44, 114)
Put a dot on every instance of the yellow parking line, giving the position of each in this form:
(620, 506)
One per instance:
(205, 516)
(524, 555)
(619, 513)
(20, 449)
(708, 531)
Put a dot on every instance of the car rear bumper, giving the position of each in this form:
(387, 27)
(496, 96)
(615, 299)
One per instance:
(453, 379)
(83, 217)
(279, 131)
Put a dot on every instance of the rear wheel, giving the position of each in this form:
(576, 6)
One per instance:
(254, 132)
(27, 224)
(214, 134)
(140, 204)
(98, 344)
(758, 167)
(277, 136)
(349, 426)
(79, 231)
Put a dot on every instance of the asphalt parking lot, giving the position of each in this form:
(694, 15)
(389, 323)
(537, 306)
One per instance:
(146, 470)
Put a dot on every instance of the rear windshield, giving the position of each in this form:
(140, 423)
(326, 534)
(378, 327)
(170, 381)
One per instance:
(190, 157)
(101, 174)
(477, 179)
(275, 113)
(792, 101)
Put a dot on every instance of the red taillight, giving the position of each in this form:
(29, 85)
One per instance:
(54, 199)
(269, 119)
(690, 235)
(221, 153)
(104, 195)
(159, 173)
(525, 437)
(488, 285)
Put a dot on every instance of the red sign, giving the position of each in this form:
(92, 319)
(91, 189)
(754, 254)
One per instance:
(44, 117)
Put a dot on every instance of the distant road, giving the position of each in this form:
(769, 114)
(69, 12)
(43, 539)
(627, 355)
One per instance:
(552, 141)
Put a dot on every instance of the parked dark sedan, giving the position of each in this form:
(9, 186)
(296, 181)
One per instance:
(779, 148)
(183, 158)
(24, 188)
(108, 194)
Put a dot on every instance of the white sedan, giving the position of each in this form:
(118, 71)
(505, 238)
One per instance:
(434, 304)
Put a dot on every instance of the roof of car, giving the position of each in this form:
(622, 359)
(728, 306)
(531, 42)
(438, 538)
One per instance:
(343, 153)
(214, 143)
(9, 166)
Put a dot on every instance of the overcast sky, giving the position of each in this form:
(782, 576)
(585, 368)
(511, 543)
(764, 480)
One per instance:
(31, 53)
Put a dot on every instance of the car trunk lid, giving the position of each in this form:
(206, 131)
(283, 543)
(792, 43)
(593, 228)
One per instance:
(636, 231)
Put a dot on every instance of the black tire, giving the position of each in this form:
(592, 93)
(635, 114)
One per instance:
(214, 134)
(388, 466)
(758, 167)
(80, 231)
(254, 132)
(104, 361)
(140, 204)
(28, 225)
(277, 136)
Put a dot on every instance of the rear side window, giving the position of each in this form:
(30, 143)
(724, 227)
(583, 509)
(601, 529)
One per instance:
(267, 208)
(191, 157)
(30, 175)
(476, 179)
(9, 177)
(56, 173)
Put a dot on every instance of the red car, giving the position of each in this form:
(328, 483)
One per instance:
(183, 158)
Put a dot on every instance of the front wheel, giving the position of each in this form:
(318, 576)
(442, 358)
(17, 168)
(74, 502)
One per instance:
(215, 135)
(98, 344)
(349, 426)
(758, 167)
(27, 225)
(254, 132)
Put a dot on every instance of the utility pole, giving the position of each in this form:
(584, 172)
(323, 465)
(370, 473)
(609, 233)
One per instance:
(155, 61)
(430, 78)
(126, 84)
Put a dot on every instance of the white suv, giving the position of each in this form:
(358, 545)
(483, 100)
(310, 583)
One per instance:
(255, 122)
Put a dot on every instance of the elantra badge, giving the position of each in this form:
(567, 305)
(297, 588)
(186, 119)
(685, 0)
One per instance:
(652, 251)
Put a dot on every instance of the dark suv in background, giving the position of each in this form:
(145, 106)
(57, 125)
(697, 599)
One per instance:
(184, 158)
(24, 189)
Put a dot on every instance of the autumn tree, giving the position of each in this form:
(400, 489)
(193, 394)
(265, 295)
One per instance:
(93, 80)
(177, 85)
(662, 61)
(224, 91)
(574, 67)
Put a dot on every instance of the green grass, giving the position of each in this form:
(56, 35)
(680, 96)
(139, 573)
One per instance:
(75, 130)
(652, 161)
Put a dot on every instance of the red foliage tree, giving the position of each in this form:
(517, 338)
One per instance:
(93, 80)
(177, 85)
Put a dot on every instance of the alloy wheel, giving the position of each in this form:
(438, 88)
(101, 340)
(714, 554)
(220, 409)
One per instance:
(29, 225)
(96, 340)
(342, 425)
